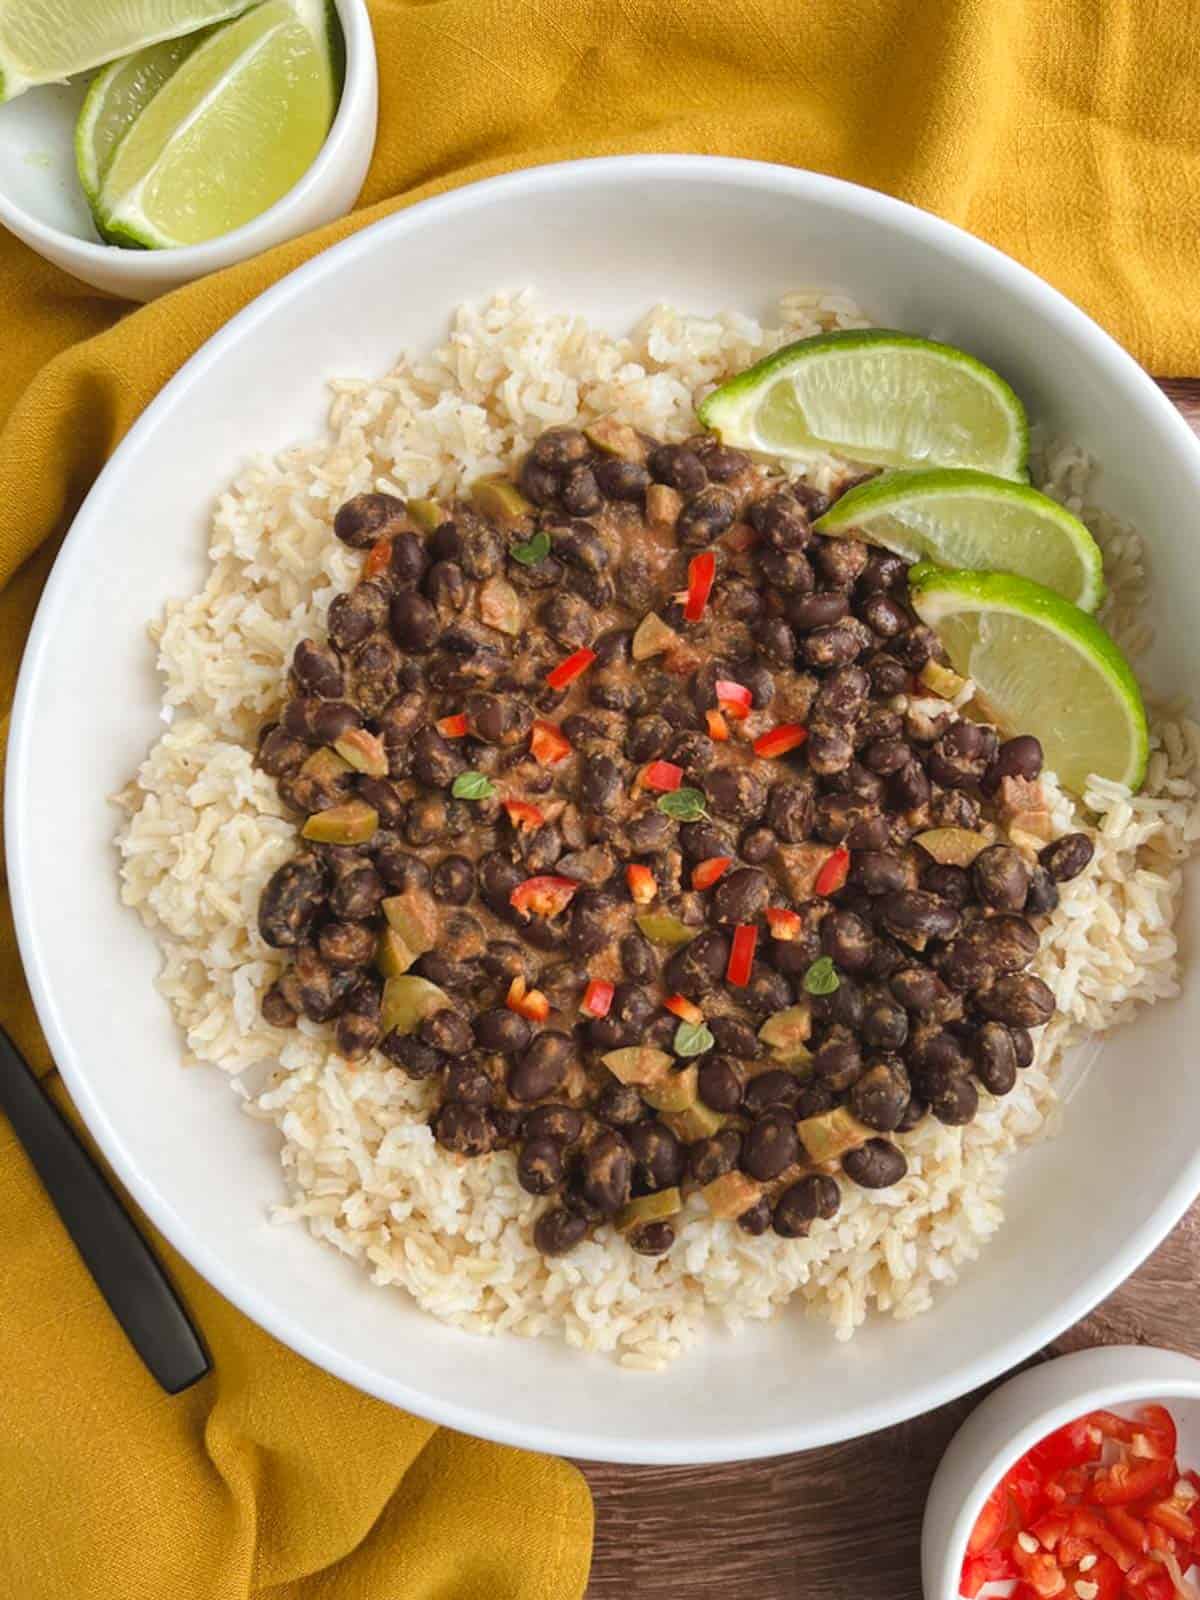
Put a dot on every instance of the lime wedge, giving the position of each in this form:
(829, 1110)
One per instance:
(886, 398)
(1042, 667)
(116, 99)
(231, 131)
(957, 517)
(46, 41)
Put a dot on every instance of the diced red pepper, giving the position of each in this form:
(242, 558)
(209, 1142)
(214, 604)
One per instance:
(643, 886)
(718, 728)
(784, 924)
(741, 955)
(992, 1566)
(834, 873)
(1128, 1527)
(454, 727)
(734, 699)
(597, 998)
(702, 571)
(567, 671)
(1089, 1524)
(664, 776)
(1154, 1434)
(529, 1003)
(523, 815)
(1027, 1488)
(683, 1008)
(543, 896)
(1105, 1578)
(1068, 1484)
(1071, 1446)
(1040, 1570)
(993, 1520)
(777, 741)
(1149, 1581)
(548, 743)
(1174, 1517)
(1129, 1480)
(379, 558)
(1051, 1530)
(706, 873)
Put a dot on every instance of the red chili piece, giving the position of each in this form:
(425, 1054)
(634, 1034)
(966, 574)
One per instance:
(597, 998)
(777, 741)
(547, 742)
(702, 571)
(567, 671)
(379, 558)
(706, 873)
(543, 896)
(683, 1008)
(833, 874)
(523, 815)
(662, 775)
(784, 924)
(454, 727)
(741, 955)
(734, 698)
(643, 886)
(718, 728)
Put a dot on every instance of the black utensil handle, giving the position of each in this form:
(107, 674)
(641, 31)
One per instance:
(126, 1270)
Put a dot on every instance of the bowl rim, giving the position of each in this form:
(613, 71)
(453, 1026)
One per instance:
(794, 185)
(195, 260)
(1088, 1396)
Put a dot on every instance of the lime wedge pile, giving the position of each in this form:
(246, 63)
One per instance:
(1006, 576)
(208, 112)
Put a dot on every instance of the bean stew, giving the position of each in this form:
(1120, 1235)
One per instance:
(639, 820)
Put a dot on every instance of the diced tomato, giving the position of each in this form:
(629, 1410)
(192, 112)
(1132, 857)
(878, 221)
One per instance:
(702, 570)
(1129, 1480)
(1072, 1446)
(1174, 1518)
(567, 671)
(992, 1521)
(741, 955)
(529, 1003)
(643, 886)
(542, 896)
(547, 743)
(834, 873)
(523, 815)
(597, 998)
(1040, 1570)
(379, 558)
(1092, 1525)
(664, 776)
(993, 1566)
(734, 699)
(777, 741)
(454, 727)
(784, 924)
(706, 873)
(718, 728)
(683, 1008)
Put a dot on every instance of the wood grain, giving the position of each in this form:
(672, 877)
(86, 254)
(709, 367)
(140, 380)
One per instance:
(842, 1523)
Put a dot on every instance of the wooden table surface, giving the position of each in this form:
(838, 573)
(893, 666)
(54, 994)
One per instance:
(842, 1523)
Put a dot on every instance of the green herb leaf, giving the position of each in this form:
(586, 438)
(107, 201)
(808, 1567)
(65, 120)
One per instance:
(531, 551)
(821, 977)
(692, 1039)
(472, 786)
(685, 805)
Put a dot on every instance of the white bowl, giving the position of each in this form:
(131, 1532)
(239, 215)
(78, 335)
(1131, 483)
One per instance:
(42, 202)
(1021, 1413)
(607, 238)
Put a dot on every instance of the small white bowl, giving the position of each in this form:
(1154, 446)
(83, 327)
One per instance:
(42, 203)
(1022, 1412)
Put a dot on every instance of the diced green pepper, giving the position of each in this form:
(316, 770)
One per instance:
(649, 1208)
(353, 822)
(408, 1000)
(499, 497)
(638, 1064)
(732, 1194)
(786, 1034)
(675, 1092)
(427, 514)
(392, 955)
(829, 1136)
(664, 927)
(414, 916)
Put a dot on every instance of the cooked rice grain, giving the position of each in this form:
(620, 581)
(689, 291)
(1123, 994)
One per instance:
(205, 830)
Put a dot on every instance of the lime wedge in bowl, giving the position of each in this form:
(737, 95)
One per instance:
(115, 100)
(890, 399)
(1042, 666)
(958, 517)
(47, 41)
(230, 132)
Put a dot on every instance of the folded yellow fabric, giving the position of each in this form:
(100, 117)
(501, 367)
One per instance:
(1063, 133)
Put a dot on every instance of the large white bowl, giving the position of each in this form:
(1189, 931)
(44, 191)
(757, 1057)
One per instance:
(607, 238)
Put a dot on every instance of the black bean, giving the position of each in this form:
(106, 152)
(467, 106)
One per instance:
(606, 1171)
(882, 571)
(445, 586)
(1020, 1000)
(453, 880)
(955, 808)
(962, 754)
(593, 916)
(738, 600)
(740, 896)
(277, 1009)
(881, 1095)
(651, 1238)
(372, 674)
(365, 518)
(542, 1066)
(465, 1129)
(767, 991)
(638, 960)
(808, 611)
(776, 642)
(933, 1054)
(790, 810)
(995, 1057)
(501, 1031)
(757, 845)
(735, 1037)
(774, 1089)
(829, 753)
(436, 761)
(838, 1062)
(355, 888)
(842, 696)
(835, 646)
(886, 756)
(781, 521)
(1023, 1045)
(580, 491)
(1016, 758)
(757, 1218)
(888, 675)
(540, 1166)
(291, 900)
(648, 738)
(318, 721)
(720, 462)
(709, 1159)
(919, 646)
(621, 480)
(448, 1031)
(558, 1230)
(840, 562)
(619, 1105)
(658, 1158)
(1043, 893)
(408, 560)
(705, 517)
(955, 1103)
(801, 1204)
(318, 670)
(878, 872)
(919, 990)
(883, 615)
(736, 793)
(626, 1020)
(875, 1165)
(467, 1081)
(845, 1006)
(676, 465)
(563, 1124)
(407, 1052)
(497, 878)
(279, 754)
(915, 914)
(815, 1100)
(770, 1147)
(847, 940)
(600, 781)
(1000, 877)
(1066, 858)
(719, 1084)
(559, 447)
(357, 614)
(414, 622)
(885, 1023)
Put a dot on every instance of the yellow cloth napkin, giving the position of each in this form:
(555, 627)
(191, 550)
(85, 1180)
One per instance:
(1064, 132)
